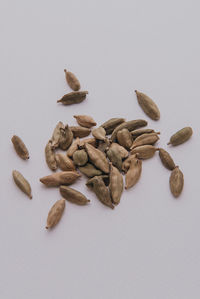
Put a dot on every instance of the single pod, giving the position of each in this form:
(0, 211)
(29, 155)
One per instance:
(148, 105)
(138, 132)
(144, 151)
(73, 147)
(166, 159)
(124, 138)
(66, 137)
(72, 80)
(55, 213)
(121, 151)
(22, 183)
(50, 156)
(20, 147)
(60, 178)
(56, 134)
(116, 184)
(181, 136)
(73, 196)
(89, 170)
(176, 181)
(134, 173)
(64, 162)
(91, 141)
(80, 132)
(126, 164)
(97, 158)
(114, 157)
(97, 185)
(74, 97)
(80, 157)
(99, 133)
(130, 125)
(145, 139)
(111, 124)
(85, 121)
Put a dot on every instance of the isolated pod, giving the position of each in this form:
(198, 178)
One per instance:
(130, 125)
(124, 138)
(89, 170)
(111, 124)
(99, 133)
(80, 132)
(144, 151)
(60, 178)
(50, 156)
(134, 173)
(176, 181)
(116, 184)
(22, 183)
(56, 134)
(64, 162)
(148, 105)
(55, 213)
(85, 121)
(20, 147)
(80, 157)
(166, 159)
(72, 80)
(66, 137)
(181, 136)
(74, 97)
(145, 139)
(73, 196)
(97, 158)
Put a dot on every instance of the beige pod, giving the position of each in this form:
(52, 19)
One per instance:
(176, 181)
(99, 133)
(66, 138)
(50, 156)
(111, 124)
(139, 132)
(181, 136)
(134, 173)
(73, 147)
(97, 158)
(89, 170)
(145, 139)
(64, 162)
(60, 178)
(126, 163)
(56, 134)
(72, 80)
(55, 213)
(116, 184)
(80, 157)
(122, 152)
(124, 138)
(166, 159)
(80, 132)
(85, 121)
(144, 151)
(73, 196)
(22, 183)
(74, 97)
(114, 157)
(148, 105)
(20, 147)
(90, 140)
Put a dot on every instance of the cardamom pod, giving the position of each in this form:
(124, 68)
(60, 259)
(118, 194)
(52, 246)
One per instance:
(99, 133)
(80, 157)
(72, 80)
(89, 170)
(114, 157)
(74, 97)
(116, 184)
(144, 151)
(60, 178)
(56, 134)
(126, 164)
(134, 173)
(139, 132)
(111, 124)
(22, 183)
(73, 147)
(148, 105)
(130, 125)
(103, 145)
(85, 121)
(145, 139)
(55, 213)
(50, 156)
(166, 159)
(91, 141)
(73, 196)
(181, 136)
(20, 147)
(97, 158)
(64, 162)
(66, 137)
(176, 181)
(124, 138)
(121, 151)
(80, 132)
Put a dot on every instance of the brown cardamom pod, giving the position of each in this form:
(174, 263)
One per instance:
(126, 164)
(144, 151)
(122, 152)
(139, 132)
(64, 162)
(116, 184)
(111, 124)
(97, 158)
(145, 139)
(73, 147)
(72, 80)
(99, 133)
(50, 156)
(148, 105)
(22, 183)
(114, 157)
(66, 137)
(80, 157)
(20, 147)
(124, 138)
(181, 136)
(80, 132)
(89, 170)
(60, 178)
(55, 213)
(166, 159)
(176, 181)
(74, 97)
(85, 121)
(134, 173)
(73, 196)
(130, 125)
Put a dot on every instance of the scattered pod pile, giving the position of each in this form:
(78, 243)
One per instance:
(117, 147)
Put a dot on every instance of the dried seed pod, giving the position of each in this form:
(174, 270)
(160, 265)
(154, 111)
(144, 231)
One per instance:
(126, 164)
(66, 137)
(124, 138)
(181, 136)
(72, 80)
(64, 162)
(56, 134)
(20, 147)
(130, 125)
(111, 124)
(55, 213)
(50, 156)
(102, 192)
(91, 141)
(85, 121)
(176, 181)
(22, 183)
(145, 139)
(80, 157)
(90, 171)
(99, 133)
(97, 158)
(122, 152)
(134, 173)
(103, 145)
(139, 132)
(148, 105)
(80, 132)
(73, 196)
(60, 178)
(73, 147)
(116, 184)
(166, 159)
(114, 157)
(74, 97)
(144, 151)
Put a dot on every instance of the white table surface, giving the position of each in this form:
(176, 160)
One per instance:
(149, 246)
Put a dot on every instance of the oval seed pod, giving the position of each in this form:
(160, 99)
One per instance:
(85, 121)
(55, 213)
(144, 151)
(124, 138)
(66, 137)
(97, 158)
(134, 173)
(20, 147)
(114, 157)
(22, 183)
(74, 97)
(176, 181)
(99, 133)
(116, 184)
(166, 159)
(126, 164)
(80, 132)
(73, 147)
(91, 141)
(122, 152)
(181, 136)
(56, 134)
(148, 105)
(73, 196)
(72, 80)
(111, 124)
(50, 156)
(130, 125)
(60, 178)
(89, 170)
(139, 132)
(80, 157)
(64, 162)
(145, 139)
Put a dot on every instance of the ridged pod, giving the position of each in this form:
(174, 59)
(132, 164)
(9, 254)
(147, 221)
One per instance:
(99, 133)
(181, 136)
(126, 164)
(74, 97)
(22, 183)
(111, 124)
(116, 184)
(73, 147)
(89, 170)
(64, 162)
(114, 157)
(66, 137)
(20, 147)
(80, 157)
(80, 132)
(120, 150)
(97, 158)
(176, 182)
(72, 80)
(124, 138)
(91, 141)
(144, 151)
(50, 156)
(148, 105)
(166, 159)
(56, 134)
(85, 121)
(130, 125)
(138, 132)
(145, 139)
(73, 196)
(55, 213)
(60, 178)
(134, 173)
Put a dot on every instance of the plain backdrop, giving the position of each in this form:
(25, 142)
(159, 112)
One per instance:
(149, 246)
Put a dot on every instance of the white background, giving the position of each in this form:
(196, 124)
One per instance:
(149, 246)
